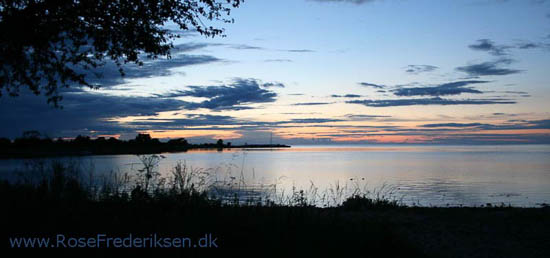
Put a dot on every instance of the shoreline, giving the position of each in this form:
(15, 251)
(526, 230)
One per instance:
(60, 202)
(377, 231)
(38, 154)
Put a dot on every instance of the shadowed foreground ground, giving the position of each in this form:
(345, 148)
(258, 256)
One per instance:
(267, 231)
(49, 202)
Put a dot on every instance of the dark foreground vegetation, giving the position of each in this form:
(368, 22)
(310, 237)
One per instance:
(61, 202)
(32, 145)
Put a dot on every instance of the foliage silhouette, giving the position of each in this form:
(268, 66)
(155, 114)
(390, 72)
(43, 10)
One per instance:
(49, 44)
(32, 145)
(62, 204)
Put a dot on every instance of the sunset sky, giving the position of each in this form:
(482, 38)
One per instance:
(328, 71)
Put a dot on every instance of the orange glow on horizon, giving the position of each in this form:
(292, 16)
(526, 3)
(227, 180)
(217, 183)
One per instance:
(214, 134)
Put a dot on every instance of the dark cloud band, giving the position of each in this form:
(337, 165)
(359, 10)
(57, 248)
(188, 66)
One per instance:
(428, 101)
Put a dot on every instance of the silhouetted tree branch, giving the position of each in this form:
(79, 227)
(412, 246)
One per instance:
(49, 44)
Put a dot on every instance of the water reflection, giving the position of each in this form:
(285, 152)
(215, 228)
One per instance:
(425, 175)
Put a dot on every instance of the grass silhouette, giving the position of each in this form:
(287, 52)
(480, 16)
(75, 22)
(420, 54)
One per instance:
(57, 198)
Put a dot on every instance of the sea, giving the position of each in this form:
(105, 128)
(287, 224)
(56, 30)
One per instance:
(423, 175)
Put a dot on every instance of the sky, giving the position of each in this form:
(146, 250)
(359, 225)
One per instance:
(327, 72)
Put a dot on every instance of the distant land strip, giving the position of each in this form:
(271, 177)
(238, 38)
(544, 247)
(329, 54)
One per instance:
(35, 147)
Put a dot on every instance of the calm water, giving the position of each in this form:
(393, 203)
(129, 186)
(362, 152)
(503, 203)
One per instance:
(427, 175)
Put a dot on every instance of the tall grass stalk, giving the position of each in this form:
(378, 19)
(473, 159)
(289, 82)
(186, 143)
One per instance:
(186, 182)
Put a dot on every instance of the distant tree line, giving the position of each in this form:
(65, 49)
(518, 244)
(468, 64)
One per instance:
(33, 144)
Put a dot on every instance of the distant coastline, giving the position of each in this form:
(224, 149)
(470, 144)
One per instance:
(35, 147)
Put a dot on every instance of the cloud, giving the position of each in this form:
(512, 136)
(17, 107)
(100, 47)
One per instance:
(451, 125)
(83, 112)
(298, 113)
(298, 50)
(528, 45)
(109, 75)
(273, 84)
(510, 125)
(488, 68)
(92, 113)
(346, 96)
(518, 125)
(278, 61)
(361, 117)
(189, 120)
(436, 133)
(205, 122)
(428, 101)
(245, 47)
(452, 88)
(226, 97)
(191, 46)
(376, 86)
(312, 120)
(521, 93)
(417, 69)
(489, 46)
(311, 103)
(250, 47)
(538, 124)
